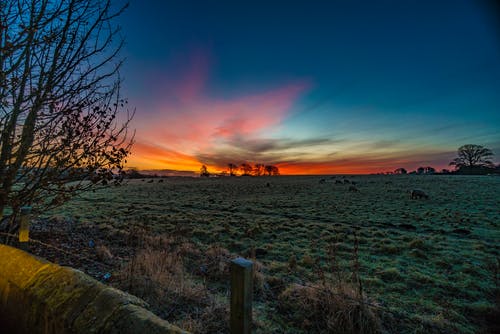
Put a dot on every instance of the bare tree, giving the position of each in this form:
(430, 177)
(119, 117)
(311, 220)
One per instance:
(232, 168)
(471, 156)
(246, 169)
(259, 169)
(272, 170)
(400, 171)
(426, 170)
(61, 121)
(204, 171)
(429, 170)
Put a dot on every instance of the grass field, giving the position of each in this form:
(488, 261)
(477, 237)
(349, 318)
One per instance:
(429, 265)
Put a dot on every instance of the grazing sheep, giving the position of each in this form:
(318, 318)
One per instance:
(418, 194)
(353, 189)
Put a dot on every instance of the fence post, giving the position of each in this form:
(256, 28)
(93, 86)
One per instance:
(241, 296)
(24, 227)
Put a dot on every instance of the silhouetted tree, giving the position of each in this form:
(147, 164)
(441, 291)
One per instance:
(259, 169)
(204, 171)
(429, 170)
(246, 169)
(426, 170)
(272, 170)
(232, 168)
(400, 171)
(60, 101)
(471, 156)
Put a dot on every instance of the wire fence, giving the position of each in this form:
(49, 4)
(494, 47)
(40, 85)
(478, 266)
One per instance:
(59, 249)
(360, 300)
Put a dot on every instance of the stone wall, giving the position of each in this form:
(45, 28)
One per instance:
(37, 296)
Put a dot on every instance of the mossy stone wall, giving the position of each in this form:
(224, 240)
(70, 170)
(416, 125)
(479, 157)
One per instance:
(37, 296)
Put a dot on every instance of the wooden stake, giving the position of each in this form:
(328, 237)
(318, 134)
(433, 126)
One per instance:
(241, 296)
(24, 227)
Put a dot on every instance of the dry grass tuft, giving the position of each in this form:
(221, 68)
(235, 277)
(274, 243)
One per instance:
(103, 254)
(172, 274)
(216, 262)
(159, 277)
(325, 308)
(214, 318)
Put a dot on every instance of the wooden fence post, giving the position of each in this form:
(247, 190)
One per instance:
(24, 227)
(241, 296)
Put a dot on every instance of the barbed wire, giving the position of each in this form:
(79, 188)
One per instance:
(360, 301)
(80, 256)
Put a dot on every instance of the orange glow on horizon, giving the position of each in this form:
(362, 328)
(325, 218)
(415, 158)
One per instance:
(151, 157)
(147, 156)
(186, 128)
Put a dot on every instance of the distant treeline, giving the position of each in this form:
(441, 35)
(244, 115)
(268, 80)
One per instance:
(471, 160)
(133, 173)
(464, 170)
(245, 169)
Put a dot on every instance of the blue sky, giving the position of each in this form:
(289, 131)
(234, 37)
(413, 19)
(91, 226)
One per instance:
(312, 86)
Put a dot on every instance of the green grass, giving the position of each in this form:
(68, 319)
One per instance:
(432, 260)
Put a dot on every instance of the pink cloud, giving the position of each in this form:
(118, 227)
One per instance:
(184, 119)
(250, 114)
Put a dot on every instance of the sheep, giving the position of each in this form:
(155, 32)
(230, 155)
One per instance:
(418, 194)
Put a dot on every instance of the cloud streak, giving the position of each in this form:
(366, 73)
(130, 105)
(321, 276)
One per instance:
(183, 118)
(181, 126)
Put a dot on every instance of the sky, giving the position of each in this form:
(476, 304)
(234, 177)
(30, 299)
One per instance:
(313, 87)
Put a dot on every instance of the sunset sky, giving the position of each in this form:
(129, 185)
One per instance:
(315, 87)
